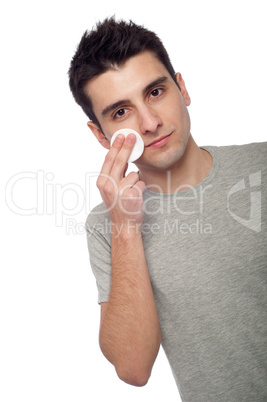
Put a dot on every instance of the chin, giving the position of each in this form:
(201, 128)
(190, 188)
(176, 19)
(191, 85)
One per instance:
(163, 162)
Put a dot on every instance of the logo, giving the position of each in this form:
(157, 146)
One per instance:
(254, 220)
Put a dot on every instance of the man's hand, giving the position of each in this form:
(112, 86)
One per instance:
(123, 195)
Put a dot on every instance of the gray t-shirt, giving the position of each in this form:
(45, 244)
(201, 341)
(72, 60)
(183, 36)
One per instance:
(206, 252)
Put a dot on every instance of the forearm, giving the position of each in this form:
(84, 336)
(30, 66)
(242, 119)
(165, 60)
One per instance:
(130, 332)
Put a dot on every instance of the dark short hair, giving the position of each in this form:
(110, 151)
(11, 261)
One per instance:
(110, 44)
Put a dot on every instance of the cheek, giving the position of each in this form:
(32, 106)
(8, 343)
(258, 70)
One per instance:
(174, 109)
(182, 115)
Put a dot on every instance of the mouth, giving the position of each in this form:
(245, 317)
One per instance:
(159, 142)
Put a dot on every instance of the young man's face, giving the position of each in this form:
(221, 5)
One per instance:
(141, 95)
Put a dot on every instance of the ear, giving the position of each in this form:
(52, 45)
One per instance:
(101, 138)
(184, 92)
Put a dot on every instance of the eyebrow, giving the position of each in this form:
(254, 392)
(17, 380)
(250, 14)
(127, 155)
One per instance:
(155, 83)
(119, 103)
(113, 106)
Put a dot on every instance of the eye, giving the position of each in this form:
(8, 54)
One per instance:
(119, 113)
(156, 92)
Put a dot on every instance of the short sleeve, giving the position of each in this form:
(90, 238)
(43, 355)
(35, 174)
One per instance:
(100, 261)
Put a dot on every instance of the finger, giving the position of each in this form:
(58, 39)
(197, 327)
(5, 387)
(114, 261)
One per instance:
(132, 182)
(118, 167)
(125, 170)
(140, 186)
(109, 159)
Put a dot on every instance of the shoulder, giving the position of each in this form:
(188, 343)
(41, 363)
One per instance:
(260, 148)
(98, 221)
(247, 156)
(97, 214)
(257, 148)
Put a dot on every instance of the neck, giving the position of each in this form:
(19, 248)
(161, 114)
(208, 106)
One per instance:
(188, 171)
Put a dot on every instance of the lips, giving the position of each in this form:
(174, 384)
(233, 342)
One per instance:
(159, 142)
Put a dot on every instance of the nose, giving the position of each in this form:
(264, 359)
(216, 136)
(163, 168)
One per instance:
(149, 120)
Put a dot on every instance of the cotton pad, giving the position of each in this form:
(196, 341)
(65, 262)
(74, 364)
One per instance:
(138, 148)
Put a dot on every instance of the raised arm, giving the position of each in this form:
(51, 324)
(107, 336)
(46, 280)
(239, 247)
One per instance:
(129, 332)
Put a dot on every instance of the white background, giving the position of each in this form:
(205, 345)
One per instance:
(48, 299)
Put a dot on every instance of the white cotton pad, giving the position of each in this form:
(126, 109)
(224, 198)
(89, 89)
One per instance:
(138, 148)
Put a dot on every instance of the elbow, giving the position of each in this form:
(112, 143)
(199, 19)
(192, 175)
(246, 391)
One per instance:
(129, 370)
(135, 377)
(135, 370)
(133, 374)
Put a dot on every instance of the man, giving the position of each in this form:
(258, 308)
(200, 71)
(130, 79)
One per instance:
(179, 247)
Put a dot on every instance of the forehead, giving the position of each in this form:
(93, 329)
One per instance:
(125, 82)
